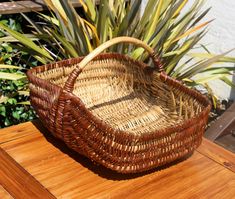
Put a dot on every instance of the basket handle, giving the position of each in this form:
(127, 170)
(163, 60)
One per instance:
(69, 84)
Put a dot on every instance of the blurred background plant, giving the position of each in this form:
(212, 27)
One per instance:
(14, 105)
(166, 25)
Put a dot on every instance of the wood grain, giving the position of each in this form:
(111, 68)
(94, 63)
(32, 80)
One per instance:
(223, 125)
(227, 141)
(4, 194)
(68, 175)
(18, 182)
(17, 131)
(218, 154)
(28, 6)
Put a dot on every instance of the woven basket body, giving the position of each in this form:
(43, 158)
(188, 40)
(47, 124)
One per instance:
(118, 111)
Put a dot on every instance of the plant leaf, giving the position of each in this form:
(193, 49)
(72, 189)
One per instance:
(203, 65)
(3, 99)
(192, 30)
(219, 70)
(25, 93)
(129, 17)
(208, 56)
(155, 21)
(66, 44)
(24, 103)
(49, 18)
(11, 39)
(11, 76)
(227, 81)
(55, 5)
(180, 8)
(76, 27)
(27, 42)
(89, 9)
(4, 66)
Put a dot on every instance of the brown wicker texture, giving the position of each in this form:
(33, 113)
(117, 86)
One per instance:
(117, 111)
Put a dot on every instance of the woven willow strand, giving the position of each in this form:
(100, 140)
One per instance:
(117, 111)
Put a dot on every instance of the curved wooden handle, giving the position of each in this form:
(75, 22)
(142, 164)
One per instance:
(69, 84)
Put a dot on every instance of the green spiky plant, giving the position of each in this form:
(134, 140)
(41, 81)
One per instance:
(172, 33)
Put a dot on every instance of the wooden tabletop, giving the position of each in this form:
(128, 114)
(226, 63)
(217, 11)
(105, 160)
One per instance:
(36, 165)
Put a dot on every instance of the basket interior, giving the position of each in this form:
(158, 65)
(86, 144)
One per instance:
(125, 96)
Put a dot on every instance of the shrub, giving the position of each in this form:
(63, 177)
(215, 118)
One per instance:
(172, 33)
(14, 106)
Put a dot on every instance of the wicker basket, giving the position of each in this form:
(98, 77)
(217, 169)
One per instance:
(117, 111)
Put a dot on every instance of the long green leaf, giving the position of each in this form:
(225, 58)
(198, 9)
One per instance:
(200, 17)
(24, 103)
(178, 69)
(66, 44)
(90, 9)
(186, 46)
(103, 21)
(219, 70)
(209, 56)
(227, 81)
(11, 39)
(25, 93)
(50, 19)
(203, 65)
(75, 27)
(206, 79)
(167, 17)
(181, 25)
(41, 59)
(11, 76)
(4, 66)
(190, 31)
(148, 11)
(180, 8)
(155, 37)
(33, 24)
(155, 21)
(129, 18)
(26, 41)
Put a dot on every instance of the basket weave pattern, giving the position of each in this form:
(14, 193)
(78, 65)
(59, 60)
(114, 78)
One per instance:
(119, 112)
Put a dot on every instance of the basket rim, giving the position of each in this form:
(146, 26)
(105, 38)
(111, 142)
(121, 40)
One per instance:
(167, 79)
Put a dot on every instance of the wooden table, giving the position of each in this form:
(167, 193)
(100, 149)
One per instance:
(36, 165)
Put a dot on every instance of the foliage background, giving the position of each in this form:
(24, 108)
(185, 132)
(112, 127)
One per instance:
(13, 109)
(63, 33)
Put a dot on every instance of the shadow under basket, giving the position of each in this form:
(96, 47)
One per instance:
(119, 112)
